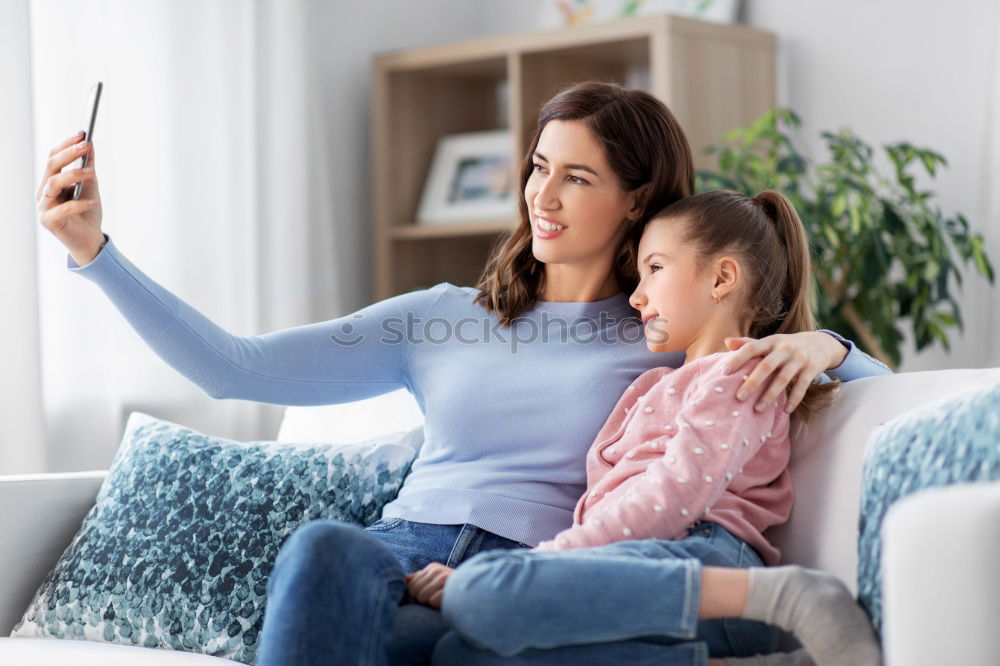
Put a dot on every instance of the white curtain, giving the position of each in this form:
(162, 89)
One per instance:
(991, 189)
(21, 438)
(209, 156)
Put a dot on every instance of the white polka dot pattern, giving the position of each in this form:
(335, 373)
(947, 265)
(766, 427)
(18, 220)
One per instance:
(672, 453)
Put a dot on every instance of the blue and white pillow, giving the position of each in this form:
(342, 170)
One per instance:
(948, 441)
(177, 549)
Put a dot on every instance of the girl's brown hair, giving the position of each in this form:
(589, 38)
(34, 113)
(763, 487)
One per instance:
(643, 143)
(769, 240)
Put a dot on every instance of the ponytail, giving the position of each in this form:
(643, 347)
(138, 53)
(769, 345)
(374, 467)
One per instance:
(767, 235)
(793, 302)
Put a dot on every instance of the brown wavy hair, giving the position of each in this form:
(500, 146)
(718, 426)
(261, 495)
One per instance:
(643, 143)
(768, 238)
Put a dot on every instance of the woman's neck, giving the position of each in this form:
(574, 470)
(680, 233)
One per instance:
(561, 283)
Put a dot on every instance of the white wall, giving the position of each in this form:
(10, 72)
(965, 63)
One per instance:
(889, 69)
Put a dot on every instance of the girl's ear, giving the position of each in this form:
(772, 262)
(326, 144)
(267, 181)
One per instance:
(727, 276)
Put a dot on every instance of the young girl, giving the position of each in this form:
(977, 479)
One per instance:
(682, 475)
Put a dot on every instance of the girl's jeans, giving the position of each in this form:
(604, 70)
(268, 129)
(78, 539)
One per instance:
(630, 602)
(336, 595)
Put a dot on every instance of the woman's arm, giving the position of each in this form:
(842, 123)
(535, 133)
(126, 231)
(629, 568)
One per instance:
(799, 358)
(671, 479)
(855, 364)
(349, 358)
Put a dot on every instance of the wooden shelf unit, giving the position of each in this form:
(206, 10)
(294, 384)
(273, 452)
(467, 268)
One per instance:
(712, 76)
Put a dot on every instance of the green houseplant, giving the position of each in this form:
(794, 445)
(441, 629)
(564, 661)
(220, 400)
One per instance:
(882, 252)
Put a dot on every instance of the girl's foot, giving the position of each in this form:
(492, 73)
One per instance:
(818, 609)
(798, 658)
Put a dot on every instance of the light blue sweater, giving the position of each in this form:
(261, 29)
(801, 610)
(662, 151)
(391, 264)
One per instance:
(509, 413)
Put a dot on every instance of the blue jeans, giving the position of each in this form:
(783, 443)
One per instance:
(630, 602)
(336, 595)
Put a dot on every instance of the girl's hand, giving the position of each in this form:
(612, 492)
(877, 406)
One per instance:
(77, 224)
(427, 585)
(798, 357)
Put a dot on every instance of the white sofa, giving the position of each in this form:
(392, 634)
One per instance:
(930, 619)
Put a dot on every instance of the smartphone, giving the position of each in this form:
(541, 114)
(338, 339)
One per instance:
(95, 98)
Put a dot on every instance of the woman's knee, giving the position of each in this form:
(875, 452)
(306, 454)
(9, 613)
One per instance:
(316, 547)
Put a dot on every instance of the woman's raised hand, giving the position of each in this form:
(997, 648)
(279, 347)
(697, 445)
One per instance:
(77, 224)
(788, 357)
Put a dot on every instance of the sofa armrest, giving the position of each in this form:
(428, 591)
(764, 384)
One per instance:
(39, 515)
(940, 549)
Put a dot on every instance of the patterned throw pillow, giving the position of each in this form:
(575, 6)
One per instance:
(177, 549)
(948, 441)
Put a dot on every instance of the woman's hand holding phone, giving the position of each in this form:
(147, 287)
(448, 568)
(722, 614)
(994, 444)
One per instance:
(76, 223)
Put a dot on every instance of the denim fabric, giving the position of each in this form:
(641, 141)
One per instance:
(954, 440)
(337, 592)
(630, 602)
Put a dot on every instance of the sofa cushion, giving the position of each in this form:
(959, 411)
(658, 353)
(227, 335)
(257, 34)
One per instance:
(381, 416)
(178, 546)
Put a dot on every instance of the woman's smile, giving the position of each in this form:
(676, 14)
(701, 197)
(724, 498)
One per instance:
(546, 229)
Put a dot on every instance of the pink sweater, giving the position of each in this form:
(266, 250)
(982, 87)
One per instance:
(680, 447)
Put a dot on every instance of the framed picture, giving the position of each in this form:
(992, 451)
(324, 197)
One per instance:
(569, 13)
(471, 179)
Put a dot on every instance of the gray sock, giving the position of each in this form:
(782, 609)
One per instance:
(798, 658)
(818, 609)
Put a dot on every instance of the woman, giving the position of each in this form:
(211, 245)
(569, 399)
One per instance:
(498, 468)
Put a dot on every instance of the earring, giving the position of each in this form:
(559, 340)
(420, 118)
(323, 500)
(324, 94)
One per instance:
(715, 297)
